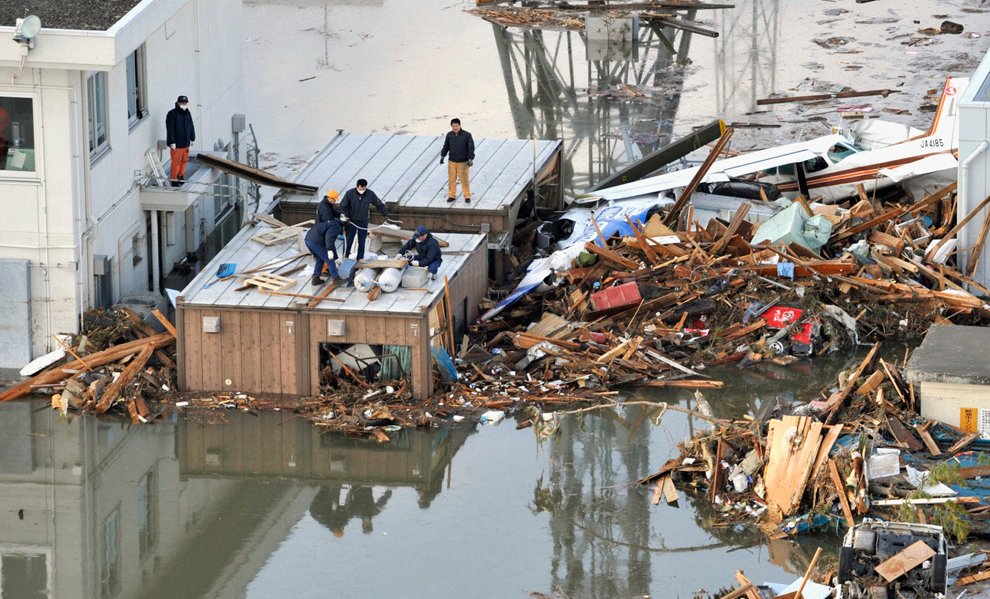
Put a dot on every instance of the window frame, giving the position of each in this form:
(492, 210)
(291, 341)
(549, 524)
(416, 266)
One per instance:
(36, 174)
(96, 149)
(140, 88)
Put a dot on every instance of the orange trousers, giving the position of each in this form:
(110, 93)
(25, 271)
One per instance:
(455, 171)
(180, 157)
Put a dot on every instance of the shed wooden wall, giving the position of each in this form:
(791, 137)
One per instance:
(258, 351)
(471, 282)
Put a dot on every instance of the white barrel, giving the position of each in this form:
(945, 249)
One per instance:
(364, 280)
(389, 279)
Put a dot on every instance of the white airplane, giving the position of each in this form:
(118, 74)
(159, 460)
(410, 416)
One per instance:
(877, 154)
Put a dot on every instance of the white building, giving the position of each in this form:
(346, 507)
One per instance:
(974, 171)
(79, 110)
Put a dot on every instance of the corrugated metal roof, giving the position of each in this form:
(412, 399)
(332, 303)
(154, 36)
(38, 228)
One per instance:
(206, 290)
(406, 169)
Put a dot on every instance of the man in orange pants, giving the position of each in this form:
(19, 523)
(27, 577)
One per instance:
(180, 133)
(460, 145)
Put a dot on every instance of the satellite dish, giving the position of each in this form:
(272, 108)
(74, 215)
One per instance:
(27, 28)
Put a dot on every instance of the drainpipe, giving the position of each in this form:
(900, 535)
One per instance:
(155, 270)
(964, 191)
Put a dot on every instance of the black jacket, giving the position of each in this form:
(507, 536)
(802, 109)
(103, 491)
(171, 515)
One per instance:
(179, 128)
(324, 233)
(459, 145)
(355, 206)
(327, 211)
(427, 252)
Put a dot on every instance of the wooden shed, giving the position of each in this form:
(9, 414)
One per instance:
(236, 340)
(405, 171)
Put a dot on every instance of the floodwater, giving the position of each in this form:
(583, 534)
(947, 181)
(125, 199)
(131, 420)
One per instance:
(267, 506)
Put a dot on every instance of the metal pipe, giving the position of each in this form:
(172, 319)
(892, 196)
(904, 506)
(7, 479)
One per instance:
(963, 206)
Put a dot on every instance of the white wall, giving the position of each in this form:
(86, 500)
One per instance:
(73, 208)
(974, 182)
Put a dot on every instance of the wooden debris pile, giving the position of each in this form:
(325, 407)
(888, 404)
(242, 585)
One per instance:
(119, 363)
(551, 14)
(859, 449)
(658, 306)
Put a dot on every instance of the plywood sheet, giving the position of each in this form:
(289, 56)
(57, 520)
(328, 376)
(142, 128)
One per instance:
(792, 446)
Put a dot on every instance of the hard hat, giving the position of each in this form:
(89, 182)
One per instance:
(332, 195)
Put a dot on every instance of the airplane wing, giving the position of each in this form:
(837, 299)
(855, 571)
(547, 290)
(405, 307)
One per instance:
(723, 170)
(925, 166)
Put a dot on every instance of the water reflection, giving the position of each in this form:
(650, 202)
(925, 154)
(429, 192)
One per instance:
(258, 506)
(102, 509)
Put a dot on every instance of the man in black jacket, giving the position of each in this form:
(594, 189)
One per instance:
(460, 145)
(427, 250)
(319, 239)
(355, 208)
(180, 133)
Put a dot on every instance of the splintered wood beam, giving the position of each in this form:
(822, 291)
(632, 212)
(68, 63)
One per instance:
(699, 176)
(114, 389)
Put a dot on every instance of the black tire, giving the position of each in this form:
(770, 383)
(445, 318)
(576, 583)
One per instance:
(938, 574)
(846, 558)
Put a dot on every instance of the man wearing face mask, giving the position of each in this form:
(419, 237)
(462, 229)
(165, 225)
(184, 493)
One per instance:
(180, 133)
(355, 208)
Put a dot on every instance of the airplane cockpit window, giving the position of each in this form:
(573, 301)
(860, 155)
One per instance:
(840, 151)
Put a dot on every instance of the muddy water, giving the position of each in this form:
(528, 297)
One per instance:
(265, 506)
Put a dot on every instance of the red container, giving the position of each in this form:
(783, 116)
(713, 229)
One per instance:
(779, 317)
(616, 297)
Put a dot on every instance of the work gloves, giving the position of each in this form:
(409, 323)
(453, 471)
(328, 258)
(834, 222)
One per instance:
(343, 218)
(470, 162)
(415, 262)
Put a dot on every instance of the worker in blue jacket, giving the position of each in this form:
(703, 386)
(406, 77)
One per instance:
(427, 250)
(356, 207)
(320, 239)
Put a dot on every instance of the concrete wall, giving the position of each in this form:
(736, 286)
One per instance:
(974, 181)
(75, 206)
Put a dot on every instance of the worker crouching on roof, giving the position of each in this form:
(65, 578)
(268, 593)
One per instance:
(327, 210)
(319, 239)
(427, 250)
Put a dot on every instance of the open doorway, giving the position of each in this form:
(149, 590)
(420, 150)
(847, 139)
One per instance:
(363, 362)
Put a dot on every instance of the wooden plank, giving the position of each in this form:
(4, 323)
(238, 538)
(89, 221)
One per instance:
(741, 579)
(893, 214)
(930, 443)
(833, 434)
(840, 487)
(231, 350)
(903, 436)
(658, 491)
(271, 373)
(742, 591)
(836, 399)
(698, 177)
(252, 352)
(670, 494)
(287, 350)
(788, 464)
(962, 443)
(905, 561)
(165, 322)
(979, 576)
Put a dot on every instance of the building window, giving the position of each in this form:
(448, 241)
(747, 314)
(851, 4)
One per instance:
(16, 134)
(110, 555)
(24, 576)
(147, 505)
(135, 87)
(96, 94)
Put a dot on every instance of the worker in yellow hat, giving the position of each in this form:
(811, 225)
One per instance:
(328, 208)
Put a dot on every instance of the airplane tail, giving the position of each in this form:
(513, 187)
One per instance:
(944, 122)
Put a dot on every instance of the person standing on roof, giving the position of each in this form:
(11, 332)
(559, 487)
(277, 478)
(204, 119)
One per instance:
(180, 133)
(460, 145)
(427, 251)
(356, 207)
(320, 238)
